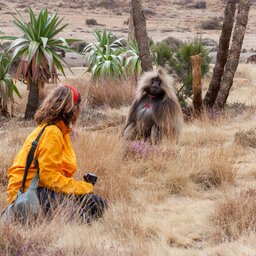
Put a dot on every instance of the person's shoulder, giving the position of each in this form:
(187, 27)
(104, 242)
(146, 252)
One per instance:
(50, 138)
(53, 130)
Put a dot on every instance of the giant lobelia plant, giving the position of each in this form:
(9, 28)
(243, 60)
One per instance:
(105, 56)
(37, 48)
(7, 86)
(132, 62)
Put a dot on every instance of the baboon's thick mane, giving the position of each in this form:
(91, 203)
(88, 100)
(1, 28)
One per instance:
(166, 82)
(161, 117)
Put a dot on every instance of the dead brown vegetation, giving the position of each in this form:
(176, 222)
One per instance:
(169, 202)
(246, 138)
(217, 169)
(236, 215)
(113, 93)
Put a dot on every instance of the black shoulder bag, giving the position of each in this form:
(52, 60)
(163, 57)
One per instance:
(26, 205)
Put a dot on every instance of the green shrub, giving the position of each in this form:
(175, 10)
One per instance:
(161, 53)
(180, 63)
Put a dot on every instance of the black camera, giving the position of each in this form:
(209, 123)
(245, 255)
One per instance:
(90, 178)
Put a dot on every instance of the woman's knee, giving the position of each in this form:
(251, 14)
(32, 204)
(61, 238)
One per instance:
(93, 206)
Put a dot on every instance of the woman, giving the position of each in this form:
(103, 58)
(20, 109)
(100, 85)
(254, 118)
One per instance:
(56, 158)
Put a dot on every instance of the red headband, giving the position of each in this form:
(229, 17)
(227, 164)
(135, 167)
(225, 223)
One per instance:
(75, 92)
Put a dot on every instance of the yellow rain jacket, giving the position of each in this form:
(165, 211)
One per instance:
(57, 163)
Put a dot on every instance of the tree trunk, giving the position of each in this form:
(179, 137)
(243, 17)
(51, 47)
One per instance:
(233, 58)
(33, 100)
(222, 54)
(141, 35)
(41, 91)
(196, 61)
(131, 32)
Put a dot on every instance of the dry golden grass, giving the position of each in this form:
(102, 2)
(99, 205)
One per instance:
(105, 93)
(216, 167)
(246, 138)
(111, 93)
(186, 199)
(236, 215)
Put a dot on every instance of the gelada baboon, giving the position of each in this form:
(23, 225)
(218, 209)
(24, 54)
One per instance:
(155, 111)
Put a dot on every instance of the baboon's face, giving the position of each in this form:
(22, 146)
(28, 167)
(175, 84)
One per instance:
(155, 87)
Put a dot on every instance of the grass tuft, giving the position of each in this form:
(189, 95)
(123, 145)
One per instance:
(236, 215)
(246, 138)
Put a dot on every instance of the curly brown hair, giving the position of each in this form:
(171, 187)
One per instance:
(57, 106)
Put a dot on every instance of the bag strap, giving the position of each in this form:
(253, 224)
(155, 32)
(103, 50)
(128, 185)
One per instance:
(30, 158)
